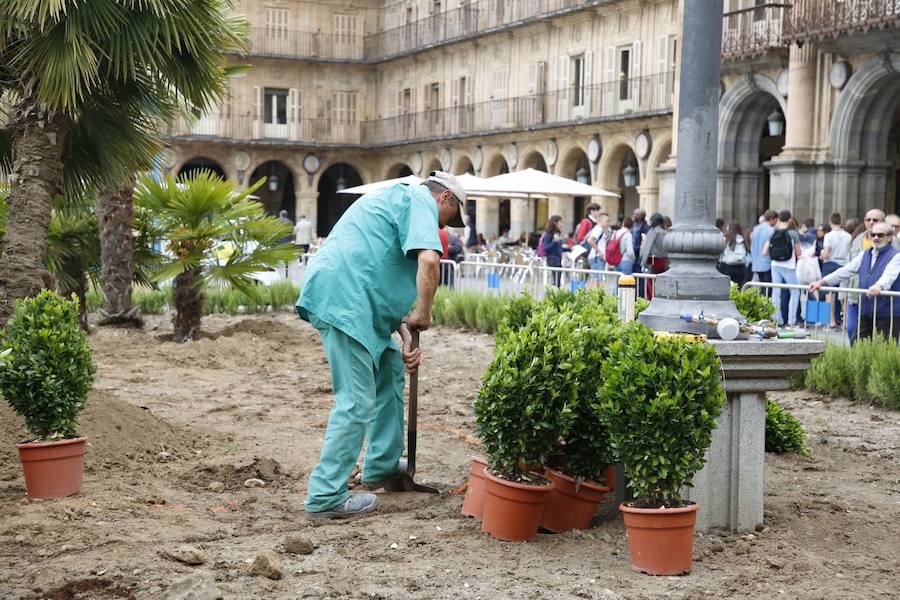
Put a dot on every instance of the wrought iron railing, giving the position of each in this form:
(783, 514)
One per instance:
(273, 41)
(819, 19)
(751, 32)
(637, 96)
(471, 19)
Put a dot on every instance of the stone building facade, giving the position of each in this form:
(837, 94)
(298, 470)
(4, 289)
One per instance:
(354, 91)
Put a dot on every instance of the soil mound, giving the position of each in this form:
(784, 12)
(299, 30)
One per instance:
(118, 433)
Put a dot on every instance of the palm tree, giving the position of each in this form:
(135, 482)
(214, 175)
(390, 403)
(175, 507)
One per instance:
(115, 211)
(214, 234)
(86, 84)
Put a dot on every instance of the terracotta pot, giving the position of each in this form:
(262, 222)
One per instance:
(661, 539)
(473, 504)
(609, 474)
(53, 469)
(512, 511)
(567, 508)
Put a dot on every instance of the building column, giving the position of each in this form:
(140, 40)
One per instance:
(520, 217)
(307, 203)
(791, 187)
(800, 120)
(648, 199)
(564, 207)
(487, 216)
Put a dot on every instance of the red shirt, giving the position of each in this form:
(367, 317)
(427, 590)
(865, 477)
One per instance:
(445, 242)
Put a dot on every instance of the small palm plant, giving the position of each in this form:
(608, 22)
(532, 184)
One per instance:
(213, 234)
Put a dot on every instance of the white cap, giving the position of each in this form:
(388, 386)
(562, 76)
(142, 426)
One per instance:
(452, 183)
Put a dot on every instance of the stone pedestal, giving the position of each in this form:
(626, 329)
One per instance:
(730, 488)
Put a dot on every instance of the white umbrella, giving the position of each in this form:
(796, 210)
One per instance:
(380, 185)
(533, 182)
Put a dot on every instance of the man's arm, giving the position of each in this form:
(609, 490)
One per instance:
(427, 279)
(891, 271)
(841, 275)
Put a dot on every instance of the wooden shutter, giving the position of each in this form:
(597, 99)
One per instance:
(610, 81)
(295, 118)
(562, 87)
(636, 73)
(588, 79)
(257, 112)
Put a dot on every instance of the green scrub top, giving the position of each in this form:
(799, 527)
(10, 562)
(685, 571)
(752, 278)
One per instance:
(363, 279)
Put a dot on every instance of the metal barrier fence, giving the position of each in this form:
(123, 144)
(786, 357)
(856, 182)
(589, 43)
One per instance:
(819, 311)
(504, 278)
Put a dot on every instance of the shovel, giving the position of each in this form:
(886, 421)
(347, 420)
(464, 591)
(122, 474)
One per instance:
(403, 481)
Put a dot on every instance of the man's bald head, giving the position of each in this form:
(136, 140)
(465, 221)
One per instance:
(873, 216)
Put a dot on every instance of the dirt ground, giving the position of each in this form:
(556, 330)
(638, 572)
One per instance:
(176, 430)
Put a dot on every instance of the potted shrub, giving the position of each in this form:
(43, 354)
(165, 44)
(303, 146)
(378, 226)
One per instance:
(523, 399)
(45, 378)
(579, 472)
(659, 398)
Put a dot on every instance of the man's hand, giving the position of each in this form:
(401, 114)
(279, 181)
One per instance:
(412, 358)
(816, 285)
(873, 291)
(418, 320)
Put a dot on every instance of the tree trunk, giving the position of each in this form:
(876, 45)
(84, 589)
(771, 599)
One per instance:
(40, 144)
(187, 296)
(75, 270)
(114, 213)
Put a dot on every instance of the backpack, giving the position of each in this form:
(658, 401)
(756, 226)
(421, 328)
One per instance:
(780, 246)
(540, 248)
(614, 250)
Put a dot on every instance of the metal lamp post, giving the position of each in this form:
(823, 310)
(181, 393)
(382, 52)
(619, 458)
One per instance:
(694, 244)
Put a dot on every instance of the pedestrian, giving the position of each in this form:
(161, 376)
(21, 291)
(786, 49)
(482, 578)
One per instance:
(382, 255)
(835, 254)
(304, 234)
(597, 239)
(808, 232)
(639, 231)
(587, 224)
(878, 268)
(720, 224)
(551, 243)
(654, 258)
(667, 222)
(784, 249)
(860, 242)
(820, 242)
(893, 222)
(760, 263)
(733, 260)
(621, 255)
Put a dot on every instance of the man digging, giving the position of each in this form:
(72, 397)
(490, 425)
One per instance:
(383, 254)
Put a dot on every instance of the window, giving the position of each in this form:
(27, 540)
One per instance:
(406, 101)
(276, 23)
(345, 36)
(624, 73)
(578, 80)
(276, 106)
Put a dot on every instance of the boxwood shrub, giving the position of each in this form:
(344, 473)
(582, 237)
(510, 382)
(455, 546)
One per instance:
(46, 376)
(784, 432)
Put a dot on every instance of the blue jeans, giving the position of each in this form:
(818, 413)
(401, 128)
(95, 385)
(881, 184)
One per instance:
(784, 275)
(626, 267)
(598, 264)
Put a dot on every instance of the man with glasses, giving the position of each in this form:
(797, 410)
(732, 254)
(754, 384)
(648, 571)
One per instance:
(878, 268)
(858, 245)
(383, 254)
(894, 222)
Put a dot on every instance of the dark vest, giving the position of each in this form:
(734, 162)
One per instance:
(868, 276)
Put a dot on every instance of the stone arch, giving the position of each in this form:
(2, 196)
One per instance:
(463, 165)
(363, 173)
(662, 148)
(745, 147)
(533, 159)
(432, 164)
(864, 123)
(495, 165)
(279, 176)
(331, 204)
(614, 159)
(398, 170)
(198, 163)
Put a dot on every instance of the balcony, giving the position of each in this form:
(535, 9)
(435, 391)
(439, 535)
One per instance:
(838, 26)
(283, 43)
(627, 98)
(753, 32)
(468, 21)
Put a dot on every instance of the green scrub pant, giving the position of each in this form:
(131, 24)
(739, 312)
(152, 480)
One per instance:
(367, 398)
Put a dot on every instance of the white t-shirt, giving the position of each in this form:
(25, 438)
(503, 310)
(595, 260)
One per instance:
(303, 232)
(598, 234)
(838, 244)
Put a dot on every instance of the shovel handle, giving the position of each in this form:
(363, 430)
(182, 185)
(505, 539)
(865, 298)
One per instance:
(412, 419)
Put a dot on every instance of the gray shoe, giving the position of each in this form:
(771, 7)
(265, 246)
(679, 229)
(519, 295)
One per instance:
(357, 504)
(390, 479)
